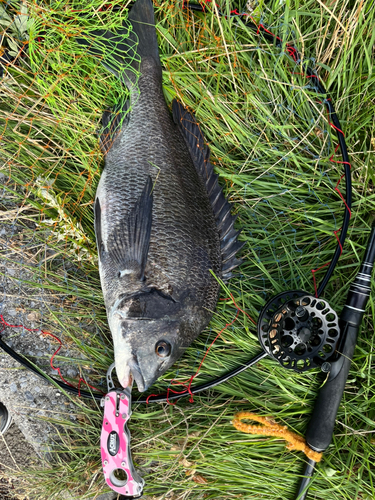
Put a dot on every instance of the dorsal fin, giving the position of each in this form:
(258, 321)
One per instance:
(200, 155)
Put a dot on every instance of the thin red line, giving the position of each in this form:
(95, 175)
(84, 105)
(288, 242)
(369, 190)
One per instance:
(341, 196)
(187, 385)
(307, 76)
(44, 332)
(148, 397)
(244, 312)
(88, 385)
(338, 240)
(314, 279)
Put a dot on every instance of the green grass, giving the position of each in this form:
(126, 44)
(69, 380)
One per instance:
(271, 143)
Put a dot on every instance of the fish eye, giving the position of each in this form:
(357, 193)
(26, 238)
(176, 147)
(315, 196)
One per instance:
(163, 348)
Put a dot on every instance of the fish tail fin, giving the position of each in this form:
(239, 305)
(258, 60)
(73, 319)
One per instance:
(133, 45)
(142, 17)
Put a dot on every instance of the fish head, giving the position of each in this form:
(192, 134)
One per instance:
(145, 349)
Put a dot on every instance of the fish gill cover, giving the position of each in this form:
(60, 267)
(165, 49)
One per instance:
(273, 148)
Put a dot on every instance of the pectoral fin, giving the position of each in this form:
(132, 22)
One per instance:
(128, 243)
(98, 228)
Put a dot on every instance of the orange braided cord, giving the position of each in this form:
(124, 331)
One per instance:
(270, 428)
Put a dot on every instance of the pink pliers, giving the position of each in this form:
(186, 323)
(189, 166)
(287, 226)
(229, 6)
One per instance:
(118, 467)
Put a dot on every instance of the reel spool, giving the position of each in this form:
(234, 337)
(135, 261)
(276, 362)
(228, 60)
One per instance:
(299, 330)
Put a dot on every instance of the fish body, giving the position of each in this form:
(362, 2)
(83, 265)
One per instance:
(161, 221)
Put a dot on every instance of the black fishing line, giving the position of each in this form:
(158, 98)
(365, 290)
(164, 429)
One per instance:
(317, 85)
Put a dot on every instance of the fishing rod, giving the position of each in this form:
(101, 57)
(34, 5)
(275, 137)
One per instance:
(320, 428)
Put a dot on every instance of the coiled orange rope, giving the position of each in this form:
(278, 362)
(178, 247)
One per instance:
(270, 428)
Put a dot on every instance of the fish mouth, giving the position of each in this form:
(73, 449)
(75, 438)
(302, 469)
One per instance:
(133, 372)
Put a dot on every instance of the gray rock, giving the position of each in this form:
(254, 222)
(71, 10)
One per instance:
(29, 398)
(106, 496)
(28, 395)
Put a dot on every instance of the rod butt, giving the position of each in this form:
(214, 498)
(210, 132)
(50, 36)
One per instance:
(305, 482)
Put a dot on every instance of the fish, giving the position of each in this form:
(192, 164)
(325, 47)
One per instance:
(163, 226)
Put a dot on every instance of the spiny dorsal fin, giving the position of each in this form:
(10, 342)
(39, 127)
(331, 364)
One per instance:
(129, 242)
(200, 155)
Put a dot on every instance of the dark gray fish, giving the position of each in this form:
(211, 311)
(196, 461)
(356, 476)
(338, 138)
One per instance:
(161, 219)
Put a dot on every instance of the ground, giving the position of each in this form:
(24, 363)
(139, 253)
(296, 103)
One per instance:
(15, 453)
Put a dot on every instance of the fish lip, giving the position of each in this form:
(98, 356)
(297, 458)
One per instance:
(137, 375)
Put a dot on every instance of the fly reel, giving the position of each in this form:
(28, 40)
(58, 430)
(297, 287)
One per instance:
(299, 331)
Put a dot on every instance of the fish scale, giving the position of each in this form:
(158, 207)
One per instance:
(182, 214)
(161, 220)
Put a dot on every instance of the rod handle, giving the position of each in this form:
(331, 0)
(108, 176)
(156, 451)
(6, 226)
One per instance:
(320, 428)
